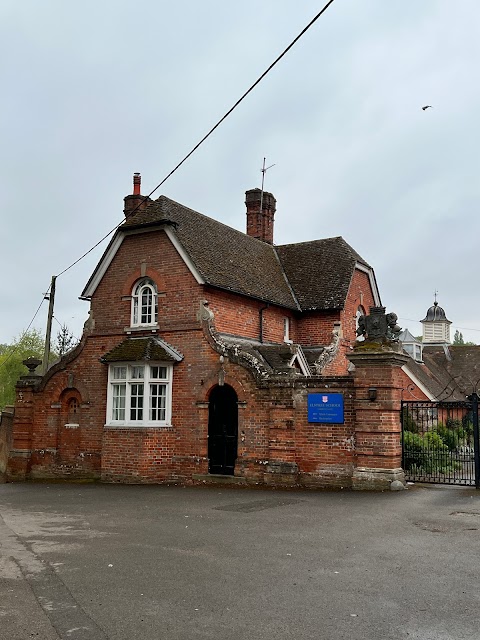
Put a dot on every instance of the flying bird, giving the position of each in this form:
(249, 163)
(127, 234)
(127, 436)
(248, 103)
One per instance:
(427, 106)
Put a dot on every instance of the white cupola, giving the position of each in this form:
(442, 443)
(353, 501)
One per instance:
(436, 327)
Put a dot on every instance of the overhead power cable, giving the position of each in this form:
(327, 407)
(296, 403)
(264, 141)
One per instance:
(453, 326)
(276, 61)
(17, 346)
(205, 137)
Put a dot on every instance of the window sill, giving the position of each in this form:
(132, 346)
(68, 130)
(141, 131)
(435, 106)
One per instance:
(144, 327)
(136, 427)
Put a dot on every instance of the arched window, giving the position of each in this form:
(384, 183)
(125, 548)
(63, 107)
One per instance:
(144, 303)
(360, 312)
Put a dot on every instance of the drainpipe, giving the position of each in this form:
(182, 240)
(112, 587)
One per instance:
(260, 319)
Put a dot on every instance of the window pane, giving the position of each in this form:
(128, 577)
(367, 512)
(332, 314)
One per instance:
(147, 304)
(158, 373)
(136, 402)
(118, 407)
(137, 372)
(158, 397)
(135, 310)
(119, 373)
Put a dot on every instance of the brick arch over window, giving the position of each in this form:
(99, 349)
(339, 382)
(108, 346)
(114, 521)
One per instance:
(67, 383)
(70, 400)
(137, 275)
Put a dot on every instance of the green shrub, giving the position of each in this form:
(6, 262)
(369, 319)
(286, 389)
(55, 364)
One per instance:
(467, 425)
(452, 434)
(408, 422)
(427, 454)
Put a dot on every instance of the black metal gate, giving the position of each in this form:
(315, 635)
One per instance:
(440, 442)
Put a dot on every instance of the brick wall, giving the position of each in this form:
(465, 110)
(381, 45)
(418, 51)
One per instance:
(6, 438)
(59, 429)
(239, 315)
(410, 390)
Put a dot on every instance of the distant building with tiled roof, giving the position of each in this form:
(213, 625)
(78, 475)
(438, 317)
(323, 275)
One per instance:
(444, 371)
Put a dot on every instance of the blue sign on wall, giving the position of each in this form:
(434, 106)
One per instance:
(326, 407)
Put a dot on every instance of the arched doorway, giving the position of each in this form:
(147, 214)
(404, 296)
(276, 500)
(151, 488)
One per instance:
(222, 430)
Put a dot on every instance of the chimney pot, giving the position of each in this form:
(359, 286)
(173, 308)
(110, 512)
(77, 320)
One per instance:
(137, 181)
(135, 202)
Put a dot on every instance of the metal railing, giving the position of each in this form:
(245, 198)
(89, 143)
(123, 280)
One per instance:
(440, 442)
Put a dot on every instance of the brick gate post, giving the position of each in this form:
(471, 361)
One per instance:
(378, 431)
(20, 456)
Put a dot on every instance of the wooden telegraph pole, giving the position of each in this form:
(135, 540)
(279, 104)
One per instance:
(51, 298)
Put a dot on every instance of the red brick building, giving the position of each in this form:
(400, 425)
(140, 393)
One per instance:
(202, 348)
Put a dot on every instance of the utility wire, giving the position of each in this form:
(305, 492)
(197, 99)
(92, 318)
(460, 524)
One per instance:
(62, 325)
(276, 61)
(17, 346)
(453, 326)
(205, 136)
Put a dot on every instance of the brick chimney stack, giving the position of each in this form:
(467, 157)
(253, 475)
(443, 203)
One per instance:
(135, 202)
(260, 222)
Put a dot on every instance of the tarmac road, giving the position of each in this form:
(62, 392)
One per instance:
(97, 562)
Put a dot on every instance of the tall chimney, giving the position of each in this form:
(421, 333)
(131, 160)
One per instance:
(135, 202)
(261, 209)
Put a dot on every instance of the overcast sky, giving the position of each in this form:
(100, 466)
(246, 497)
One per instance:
(93, 91)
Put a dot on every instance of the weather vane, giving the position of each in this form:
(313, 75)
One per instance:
(263, 170)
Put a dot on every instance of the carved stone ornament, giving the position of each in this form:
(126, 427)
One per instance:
(328, 353)
(379, 326)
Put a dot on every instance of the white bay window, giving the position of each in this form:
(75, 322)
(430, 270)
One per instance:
(139, 395)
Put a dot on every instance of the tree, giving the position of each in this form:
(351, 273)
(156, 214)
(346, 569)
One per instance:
(65, 341)
(459, 341)
(29, 343)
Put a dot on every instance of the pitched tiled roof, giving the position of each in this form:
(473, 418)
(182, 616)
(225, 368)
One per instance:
(140, 349)
(309, 275)
(275, 358)
(224, 257)
(448, 372)
(437, 382)
(459, 365)
(320, 272)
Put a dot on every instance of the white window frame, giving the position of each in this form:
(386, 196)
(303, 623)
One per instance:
(129, 384)
(286, 330)
(142, 287)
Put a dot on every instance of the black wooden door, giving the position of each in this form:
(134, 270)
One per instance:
(222, 430)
